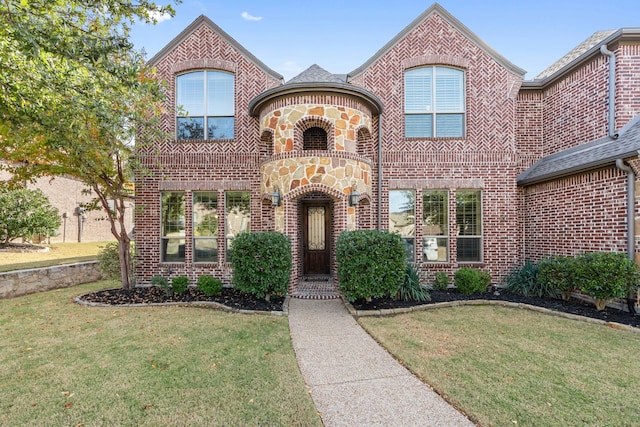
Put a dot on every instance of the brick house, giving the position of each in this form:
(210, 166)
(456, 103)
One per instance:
(437, 137)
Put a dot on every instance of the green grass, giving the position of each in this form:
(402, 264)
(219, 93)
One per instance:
(59, 253)
(62, 364)
(506, 367)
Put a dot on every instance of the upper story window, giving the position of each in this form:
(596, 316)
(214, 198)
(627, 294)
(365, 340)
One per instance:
(314, 138)
(434, 102)
(205, 105)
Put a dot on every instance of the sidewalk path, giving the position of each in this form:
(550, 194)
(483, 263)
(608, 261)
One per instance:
(354, 381)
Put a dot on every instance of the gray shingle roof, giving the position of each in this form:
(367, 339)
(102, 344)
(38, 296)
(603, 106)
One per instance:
(592, 155)
(593, 40)
(317, 74)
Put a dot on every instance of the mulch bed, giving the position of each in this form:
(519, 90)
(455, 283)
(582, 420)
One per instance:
(237, 300)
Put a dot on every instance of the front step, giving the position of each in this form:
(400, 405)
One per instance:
(321, 287)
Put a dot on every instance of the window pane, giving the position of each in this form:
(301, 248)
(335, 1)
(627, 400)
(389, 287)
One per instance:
(205, 249)
(172, 250)
(238, 215)
(435, 249)
(205, 214)
(468, 213)
(219, 94)
(402, 218)
(469, 249)
(418, 97)
(172, 214)
(435, 213)
(190, 128)
(190, 93)
(418, 125)
(449, 90)
(220, 127)
(449, 125)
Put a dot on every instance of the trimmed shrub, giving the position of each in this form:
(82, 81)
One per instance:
(109, 261)
(25, 213)
(524, 280)
(606, 275)
(411, 290)
(179, 284)
(471, 280)
(163, 283)
(558, 272)
(209, 285)
(371, 264)
(261, 263)
(440, 281)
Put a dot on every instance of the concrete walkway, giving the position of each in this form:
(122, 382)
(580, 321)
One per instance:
(354, 381)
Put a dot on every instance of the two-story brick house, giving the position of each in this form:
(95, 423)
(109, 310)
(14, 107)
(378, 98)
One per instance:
(437, 137)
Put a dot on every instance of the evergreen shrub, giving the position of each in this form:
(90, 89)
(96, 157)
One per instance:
(471, 280)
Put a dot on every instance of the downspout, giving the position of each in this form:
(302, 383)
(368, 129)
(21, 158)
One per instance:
(620, 164)
(379, 171)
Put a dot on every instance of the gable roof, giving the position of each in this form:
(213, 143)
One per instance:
(595, 154)
(203, 20)
(442, 12)
(317, 74)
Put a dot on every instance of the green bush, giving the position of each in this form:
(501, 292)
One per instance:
(524, 280)
(371, 264)
(606, 275)
(471, 280)
(109, 261)
(25, 213)
(163, 283)
(179, 284)
(209, 285)
(261, 263)
(411, 289)
(558, 272)
(440, 281)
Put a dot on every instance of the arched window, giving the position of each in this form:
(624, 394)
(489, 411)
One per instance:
(314, 138)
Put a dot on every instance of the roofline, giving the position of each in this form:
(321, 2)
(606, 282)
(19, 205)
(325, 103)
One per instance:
(619, 35)
(202, 19)
(260, 101)
(442, 12)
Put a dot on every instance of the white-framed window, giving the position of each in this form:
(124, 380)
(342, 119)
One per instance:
(402, 218)
(205, 226)
(434, 102)
(204, 105)
(172, 208)
(469, 225)
(237, 216)
(435, 225)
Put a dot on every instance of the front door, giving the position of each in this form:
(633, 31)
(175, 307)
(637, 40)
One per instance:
(316, 232)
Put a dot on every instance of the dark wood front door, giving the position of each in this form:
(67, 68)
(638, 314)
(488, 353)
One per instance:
(316, 232)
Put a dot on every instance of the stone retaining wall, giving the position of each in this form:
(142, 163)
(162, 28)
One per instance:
(22, 282)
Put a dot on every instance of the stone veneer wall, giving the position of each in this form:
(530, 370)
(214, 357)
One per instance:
(22, 282)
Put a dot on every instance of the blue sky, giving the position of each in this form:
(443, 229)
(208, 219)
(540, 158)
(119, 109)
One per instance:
(340, 35)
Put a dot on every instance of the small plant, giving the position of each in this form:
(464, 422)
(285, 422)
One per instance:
(109, 261)
(163, 283)
(179, 284)
(411, 290)
(524, 280)
(440, 281)
(209, 285)
(558, 272)
(471, 280)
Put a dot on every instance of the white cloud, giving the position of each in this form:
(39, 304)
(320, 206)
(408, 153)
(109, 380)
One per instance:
(159, 17)
(248, 17)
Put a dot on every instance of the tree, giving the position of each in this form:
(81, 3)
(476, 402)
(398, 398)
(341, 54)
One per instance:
(25, 213)
(75, 95)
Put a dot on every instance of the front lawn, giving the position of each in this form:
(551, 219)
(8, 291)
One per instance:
(513, 367)
(65, 364)
(59, 253)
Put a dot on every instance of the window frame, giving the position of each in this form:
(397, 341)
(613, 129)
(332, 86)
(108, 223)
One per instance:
(438, 237)
(197, 222)
(228, 239)
(409, 240)
(479, 227)
(431, 107)
(207, 116)
(165, 238)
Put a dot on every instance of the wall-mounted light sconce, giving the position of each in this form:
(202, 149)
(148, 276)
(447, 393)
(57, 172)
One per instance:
(276, 198)
(353, 197)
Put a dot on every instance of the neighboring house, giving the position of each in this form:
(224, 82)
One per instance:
(69, 195)
(437, 137)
